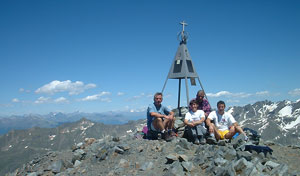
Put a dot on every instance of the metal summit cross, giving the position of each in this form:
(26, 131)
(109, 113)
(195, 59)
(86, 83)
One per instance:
(182, 66)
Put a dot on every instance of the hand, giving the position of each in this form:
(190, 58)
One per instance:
(171, 117)
(166, 117)
(191, 124)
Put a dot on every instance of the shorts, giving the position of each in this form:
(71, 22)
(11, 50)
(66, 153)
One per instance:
(223, 133)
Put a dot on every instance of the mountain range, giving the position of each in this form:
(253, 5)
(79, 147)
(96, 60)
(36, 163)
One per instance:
(19, 146)
(279, 121)
(54, 119)
(275, 121)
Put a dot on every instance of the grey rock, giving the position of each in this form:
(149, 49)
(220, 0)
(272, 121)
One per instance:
(123, 163)
(230, 154)
(124, 147)
(178, 149)
(80, 151)
(175, 170)
(147, 166)
(238, 141)
(118, 150)
(220, 161)
(187, 166)
(102, 154)
(243, 166)
(244, 154)
(56, 166)
(221, 143)
(183, 157)
(178, 124)
(219, 171)
(171, 158)
(77, 156)
(67, 164)
(95, 147)
(32, 174)
(184, 143)
(198, 160)
(116, 139)
(269, 143)
(252, 171)
(219, 153)
(271, 164)
(295, 146)
(260, 167)
(79, 145)
(77, 163)
(229, 170)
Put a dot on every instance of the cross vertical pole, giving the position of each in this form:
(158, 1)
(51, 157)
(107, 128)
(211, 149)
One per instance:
(187, 91)
(179, 90)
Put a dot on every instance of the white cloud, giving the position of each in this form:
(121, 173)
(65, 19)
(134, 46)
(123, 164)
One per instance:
(135, 109)
(263, 93)
(295, 92)
(108, 100)
(23, 90)
(73, 88)
(219, 94)
(120, 93)
(95, 97)
(15, 100)
(241, 95)
(233, 101)
(61, 100)
(228, 94)
(42, 100)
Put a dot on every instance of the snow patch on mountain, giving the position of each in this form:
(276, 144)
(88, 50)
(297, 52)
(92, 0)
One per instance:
(285, 112)
(271, 107)
(292, 124)
(51, 137)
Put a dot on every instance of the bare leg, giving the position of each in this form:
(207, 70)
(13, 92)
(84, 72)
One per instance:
(232, 132)
(158, 123)
(170, 123)
(240, 130)
(213, 129)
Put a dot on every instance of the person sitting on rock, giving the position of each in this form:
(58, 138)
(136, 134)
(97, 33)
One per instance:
(160, 118)
(203, 104)
(224, 126)
(194, 119)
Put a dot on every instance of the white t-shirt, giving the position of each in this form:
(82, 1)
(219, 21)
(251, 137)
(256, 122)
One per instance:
(222, 122)
(195, 116)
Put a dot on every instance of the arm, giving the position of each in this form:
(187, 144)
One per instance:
(157, 115)
(186, 122)
(170, 113)
(199, 121)
(208, 122)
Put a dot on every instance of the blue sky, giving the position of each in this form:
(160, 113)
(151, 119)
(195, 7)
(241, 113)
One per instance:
(97, 56)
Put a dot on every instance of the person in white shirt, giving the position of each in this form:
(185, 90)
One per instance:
(194, 120)
(224, 126)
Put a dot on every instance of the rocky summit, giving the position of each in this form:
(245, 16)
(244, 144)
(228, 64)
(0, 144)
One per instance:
(133, 155)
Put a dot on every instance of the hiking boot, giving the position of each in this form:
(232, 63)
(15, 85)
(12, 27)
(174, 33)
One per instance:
(197, 142)
(211, 140)
(221, 142)
(173, 134)
(202, 140)
(166, 137)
